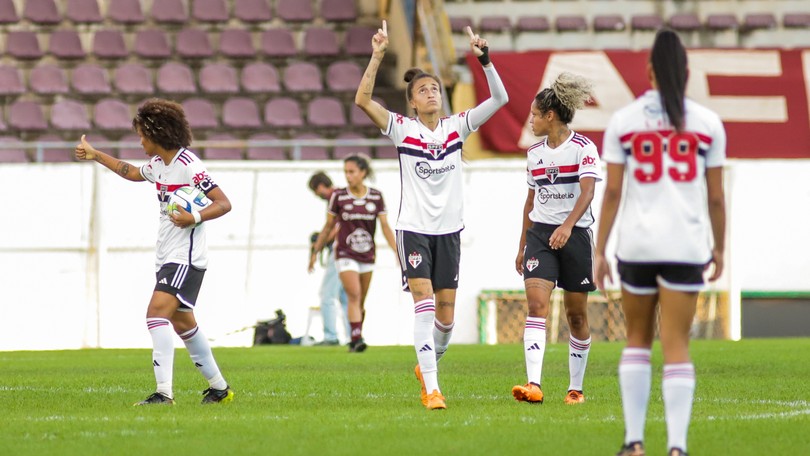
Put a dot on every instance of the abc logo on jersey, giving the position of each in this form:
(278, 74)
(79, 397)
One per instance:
(543, 195)
(424, 170)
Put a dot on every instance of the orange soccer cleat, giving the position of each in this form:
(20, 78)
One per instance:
(574, 397)
(528, 393)
(435, 401)
(424, 395)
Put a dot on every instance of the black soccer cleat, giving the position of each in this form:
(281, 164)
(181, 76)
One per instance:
(632, 449)
(214, 396)
(677, 452)
(156, 399)
(357, 346)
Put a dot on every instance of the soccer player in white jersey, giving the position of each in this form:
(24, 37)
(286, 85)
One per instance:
(431, 209)
(556, 243)
(667, 152)
(181, 254)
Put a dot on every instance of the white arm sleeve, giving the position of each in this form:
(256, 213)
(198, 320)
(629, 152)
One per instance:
(498, 97)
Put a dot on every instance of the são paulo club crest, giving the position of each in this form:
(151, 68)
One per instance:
(532, 263)
(551, 174)
(415, 259)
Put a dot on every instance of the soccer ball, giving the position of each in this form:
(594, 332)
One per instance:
(189, 198)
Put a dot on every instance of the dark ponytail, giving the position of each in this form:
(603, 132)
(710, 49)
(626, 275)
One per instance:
(668, 59)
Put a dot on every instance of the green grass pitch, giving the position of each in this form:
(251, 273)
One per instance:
(752, 398)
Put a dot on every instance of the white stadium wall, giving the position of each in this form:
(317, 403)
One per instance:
(76, 255)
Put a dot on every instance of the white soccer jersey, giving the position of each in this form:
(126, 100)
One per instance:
(174, 244)
(664, 211)
(554, 175)
(430, 170)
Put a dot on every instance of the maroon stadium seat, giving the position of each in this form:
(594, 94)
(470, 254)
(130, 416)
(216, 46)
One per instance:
(459, 24)
(608, 23)
(294, 10)
(11, 82)
(303, 77)
(132, 153)
(41, 12)
(8, 13)
(175, 77)
(200, 113)
(339, 10)
(686, 22)
(83, 11)
(222, 153)
(48, 79)
(152, 44)
(252, 11)
(210, 11)
(282, 112)
(358, 40)
(236, 43)
(646, 22)
(219, 78)
(241, 112)
(23, 44)
(570, 23)
(721, 22)
(12, 155)
(50, 155)
(326, 112)
(359, 118)
(343, 76)
(65, 44)
(532, 24)
(133, 78)
(278, 42)
(311, 152)
(169, 12)
(265, 152)
(112, 114)
(193, 43)
(320, 42)
(796, 20)
(260, 77)
(109, 44)
(125, 11)
(386, 152)
(90, 79)
(342, 152)
(759, 21)
(495, 24)
(69, 115)
(26, 115)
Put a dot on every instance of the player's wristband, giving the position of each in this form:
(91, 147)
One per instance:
(197, 217)
(484, 58)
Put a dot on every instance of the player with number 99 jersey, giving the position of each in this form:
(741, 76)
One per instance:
(664, 213)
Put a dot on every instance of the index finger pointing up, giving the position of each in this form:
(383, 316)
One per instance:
(385, 27)
(470, 32)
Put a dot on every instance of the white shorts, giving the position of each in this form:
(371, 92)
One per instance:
(348, 264)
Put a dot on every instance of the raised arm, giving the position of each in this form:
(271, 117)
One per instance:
(498, 96)
(375, 111)
(85, 151)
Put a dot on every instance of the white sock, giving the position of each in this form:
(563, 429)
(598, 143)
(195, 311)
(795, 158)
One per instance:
(200, 351)
(678, 387)
(534, 344)
(442, 335)
(577, 361)
(162, 353)
(635, 376)
(424, 314)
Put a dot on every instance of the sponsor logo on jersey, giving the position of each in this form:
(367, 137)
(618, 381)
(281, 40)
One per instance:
(349, 216)
(360, 241)
(532, 263)
(588, 160)
(551, 173)
(424, 170)
(348, 207)
(415, 259)
(371, 207)
(543, 195)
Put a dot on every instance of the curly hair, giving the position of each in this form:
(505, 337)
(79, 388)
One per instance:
(567, 93)
(164, 123)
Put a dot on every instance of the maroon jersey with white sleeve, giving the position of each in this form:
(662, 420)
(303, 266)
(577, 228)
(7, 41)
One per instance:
(175, 244)
(357, 220)
(554, 175)
(664, 214)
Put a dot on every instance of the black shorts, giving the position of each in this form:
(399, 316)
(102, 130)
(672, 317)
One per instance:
(645, 278)
(426, 256)
(181, 280)
(570, 267)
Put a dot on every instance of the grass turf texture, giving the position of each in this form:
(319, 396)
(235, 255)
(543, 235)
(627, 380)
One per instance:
(751, 398)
